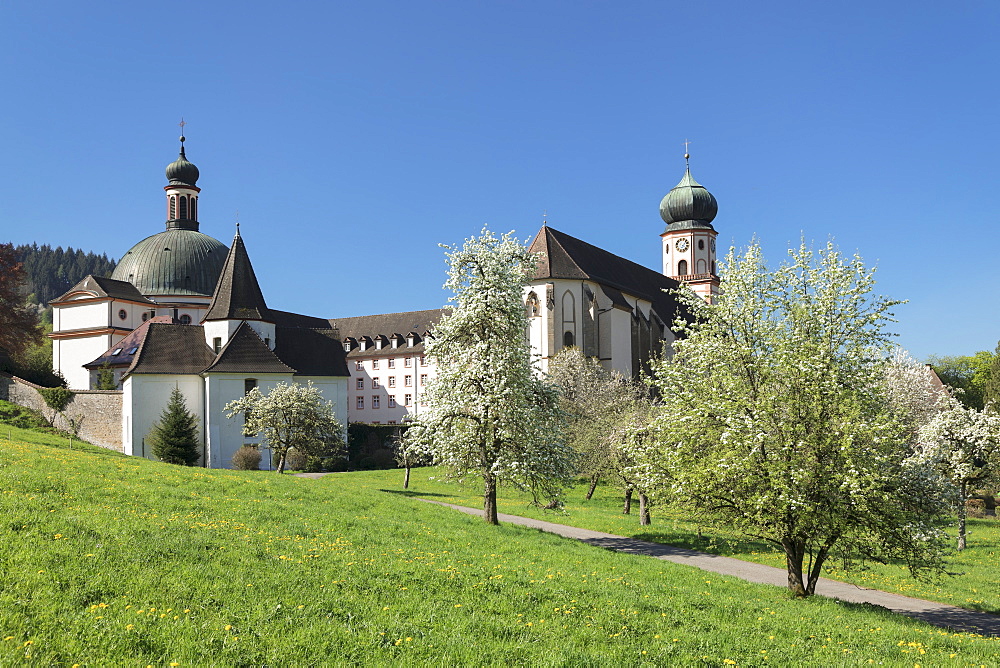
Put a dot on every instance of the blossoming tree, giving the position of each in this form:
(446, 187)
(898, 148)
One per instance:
(964, 444)
(488, 413)
(775, 420)
(290, 416)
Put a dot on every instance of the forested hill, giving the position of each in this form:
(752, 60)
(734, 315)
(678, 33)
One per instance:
(52, 271)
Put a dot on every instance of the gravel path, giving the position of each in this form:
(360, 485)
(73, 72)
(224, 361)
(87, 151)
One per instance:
(939, 614)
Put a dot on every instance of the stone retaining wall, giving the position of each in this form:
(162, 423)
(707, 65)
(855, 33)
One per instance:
(94, 416)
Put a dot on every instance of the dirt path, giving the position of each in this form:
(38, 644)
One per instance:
(939, 614)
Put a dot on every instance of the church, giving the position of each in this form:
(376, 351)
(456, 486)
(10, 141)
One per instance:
(183, 310)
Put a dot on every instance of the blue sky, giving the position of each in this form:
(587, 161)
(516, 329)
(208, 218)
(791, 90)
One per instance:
(353, 137)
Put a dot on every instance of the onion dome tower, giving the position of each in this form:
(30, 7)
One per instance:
(689, 238)
(180, 261)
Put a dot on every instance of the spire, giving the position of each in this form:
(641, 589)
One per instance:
(237, 295)
(182, 193)
(688, 204)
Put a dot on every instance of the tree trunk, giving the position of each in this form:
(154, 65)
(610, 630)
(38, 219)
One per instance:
(593, 485)
(643, 509)
(406, 479)
(817, 568)
(794, 553)
(961, 519)
(490, 498)
(627, 510)
(281, 462)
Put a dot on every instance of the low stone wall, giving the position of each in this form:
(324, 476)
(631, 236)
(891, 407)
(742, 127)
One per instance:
(94, 416)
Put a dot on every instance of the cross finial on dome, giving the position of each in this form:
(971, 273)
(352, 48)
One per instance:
(181, 125)
(687, 154)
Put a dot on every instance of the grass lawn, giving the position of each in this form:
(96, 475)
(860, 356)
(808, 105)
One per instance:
(114, 560)
(975, 583)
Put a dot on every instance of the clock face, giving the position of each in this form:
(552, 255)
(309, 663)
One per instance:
(682, 245)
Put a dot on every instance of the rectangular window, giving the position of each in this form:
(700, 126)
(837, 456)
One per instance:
(217, 344)
(359, 366)
(392, 422)
(392, 381)
(408, 381)
(423, 379)
(347, 346)
(361, 403)
(422, 360)
(360, 384)
(392, 401)
(408, 400)
(374, 364)
(407, 362)
(374, 383)
(249, 384)
(392, 362)
(376, 401)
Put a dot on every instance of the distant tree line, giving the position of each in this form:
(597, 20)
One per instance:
(49, 272)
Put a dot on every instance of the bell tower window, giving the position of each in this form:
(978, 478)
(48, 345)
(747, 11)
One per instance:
(173, 207)
(194, 209)
(682, 268)
(184, 212)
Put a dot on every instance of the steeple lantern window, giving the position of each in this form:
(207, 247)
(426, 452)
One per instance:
(184, 209)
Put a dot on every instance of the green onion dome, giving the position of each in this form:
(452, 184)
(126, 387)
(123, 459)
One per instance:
(180, 171)
(688, 205)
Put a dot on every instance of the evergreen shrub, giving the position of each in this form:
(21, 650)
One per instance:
(174, 439)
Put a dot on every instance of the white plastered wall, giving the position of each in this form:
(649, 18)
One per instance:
(225, 435)
(144, 396)
(69, 356)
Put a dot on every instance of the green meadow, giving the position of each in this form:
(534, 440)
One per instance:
(114, 560)
(974, 574)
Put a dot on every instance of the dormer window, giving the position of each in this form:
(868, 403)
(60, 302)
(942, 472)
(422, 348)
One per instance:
(378, 343)
(409, 340)
(395, 340)
(347, 346)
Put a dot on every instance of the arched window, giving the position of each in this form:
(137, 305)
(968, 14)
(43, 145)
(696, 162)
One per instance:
(173, 207)
(532, 304)
(194, 208)
(682, 268)
(568, 317)
(701, 244)
(184, 208)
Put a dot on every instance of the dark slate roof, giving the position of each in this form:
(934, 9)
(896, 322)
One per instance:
(286, 319)
(311, 352)
(237, 295)
(246, 352)
(105, 287)
(387, 324)
(174, 349)
(133, 340)
(563, 256)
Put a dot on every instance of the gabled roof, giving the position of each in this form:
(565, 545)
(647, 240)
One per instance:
(131, 342)
(563, 256)
(311, 352)
(246, 352)
(173, 349)
(237, 295)
(387, 324)
(101, 286)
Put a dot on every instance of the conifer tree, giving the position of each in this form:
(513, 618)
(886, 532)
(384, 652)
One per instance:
(174, 439)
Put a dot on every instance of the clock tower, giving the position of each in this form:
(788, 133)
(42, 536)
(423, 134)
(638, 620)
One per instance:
(689, 239)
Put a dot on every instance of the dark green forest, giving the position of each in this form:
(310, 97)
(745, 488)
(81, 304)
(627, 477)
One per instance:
(52, 271)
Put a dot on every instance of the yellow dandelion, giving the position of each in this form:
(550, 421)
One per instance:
(229, 627)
